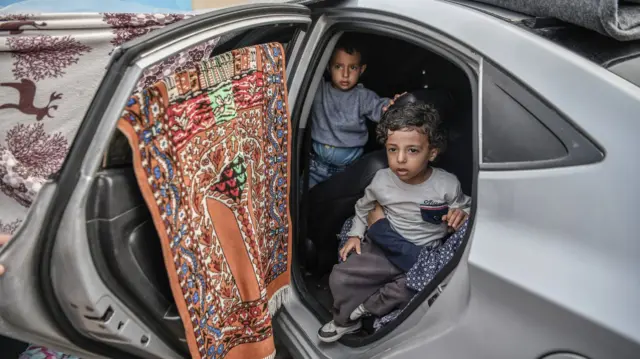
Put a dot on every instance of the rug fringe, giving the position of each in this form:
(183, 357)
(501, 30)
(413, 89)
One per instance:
(271, 356)
(280, 297)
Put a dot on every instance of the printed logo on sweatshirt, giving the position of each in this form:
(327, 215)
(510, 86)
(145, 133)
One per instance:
(432, 211)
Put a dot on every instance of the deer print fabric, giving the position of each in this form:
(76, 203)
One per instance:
(51, 67)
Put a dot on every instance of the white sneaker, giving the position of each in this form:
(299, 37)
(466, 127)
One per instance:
(331, 332)
(358, 313)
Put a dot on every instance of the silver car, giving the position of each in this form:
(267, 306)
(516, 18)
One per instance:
(543, 119)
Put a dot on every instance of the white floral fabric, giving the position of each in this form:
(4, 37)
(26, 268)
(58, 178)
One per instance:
(52, 65)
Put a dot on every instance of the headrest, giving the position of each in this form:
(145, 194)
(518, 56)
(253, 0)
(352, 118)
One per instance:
(440, 99)
(404, 100)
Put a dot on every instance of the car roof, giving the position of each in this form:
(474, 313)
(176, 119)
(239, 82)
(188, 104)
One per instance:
(619, 57)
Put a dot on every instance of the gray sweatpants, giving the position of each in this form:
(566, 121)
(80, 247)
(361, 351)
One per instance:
(368, 279)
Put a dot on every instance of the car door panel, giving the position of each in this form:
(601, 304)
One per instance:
(138, 337)
(86, 304)
(83, 312)
(122, 236)
(24, 301)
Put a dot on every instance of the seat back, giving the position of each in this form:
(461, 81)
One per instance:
(457, 158)
(330, 203)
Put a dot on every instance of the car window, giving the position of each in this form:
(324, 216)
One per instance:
(522, 130)
(511, 132)
(283, 34)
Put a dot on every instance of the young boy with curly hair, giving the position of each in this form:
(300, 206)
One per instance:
(421, 204)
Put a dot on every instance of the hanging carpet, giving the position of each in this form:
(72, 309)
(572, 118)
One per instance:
(211, 155)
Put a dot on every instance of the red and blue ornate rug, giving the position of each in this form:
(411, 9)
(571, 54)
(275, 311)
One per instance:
(211, 154)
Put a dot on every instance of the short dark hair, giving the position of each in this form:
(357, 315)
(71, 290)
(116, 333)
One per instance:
(349, 44)
(414, 116)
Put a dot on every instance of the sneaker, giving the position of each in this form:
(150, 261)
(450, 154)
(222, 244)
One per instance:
(331, 332)
(358, 313)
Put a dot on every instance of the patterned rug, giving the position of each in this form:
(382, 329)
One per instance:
(211, 153)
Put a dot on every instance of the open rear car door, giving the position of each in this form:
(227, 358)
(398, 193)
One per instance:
(85, 273)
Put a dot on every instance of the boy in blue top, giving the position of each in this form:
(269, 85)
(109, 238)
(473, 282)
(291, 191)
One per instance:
(340, 109)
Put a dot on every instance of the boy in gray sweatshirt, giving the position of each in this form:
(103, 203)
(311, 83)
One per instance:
(339, 114)
(421, 204)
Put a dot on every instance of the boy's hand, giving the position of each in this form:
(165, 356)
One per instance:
(352, 243)
(455, 218)
(385, 108)
(375, 215)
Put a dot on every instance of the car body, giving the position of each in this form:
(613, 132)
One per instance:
(552, 256)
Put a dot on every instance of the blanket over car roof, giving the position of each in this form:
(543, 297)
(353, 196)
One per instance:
(618, 19)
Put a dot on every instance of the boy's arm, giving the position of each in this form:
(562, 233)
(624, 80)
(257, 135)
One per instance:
(459, 206)
(363, 207)
(371, 104)
(457, 199)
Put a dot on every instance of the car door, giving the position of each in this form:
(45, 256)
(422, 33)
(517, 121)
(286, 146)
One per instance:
(76, 280)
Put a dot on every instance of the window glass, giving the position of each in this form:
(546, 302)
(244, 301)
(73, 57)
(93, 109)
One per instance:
(510, 131)
(264, 34)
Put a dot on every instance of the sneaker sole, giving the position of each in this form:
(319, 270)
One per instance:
(337, 337)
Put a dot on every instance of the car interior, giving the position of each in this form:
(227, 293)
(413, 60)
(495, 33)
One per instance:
(393, 67)
(125, 245)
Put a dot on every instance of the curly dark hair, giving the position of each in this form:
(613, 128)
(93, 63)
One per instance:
(414, 116)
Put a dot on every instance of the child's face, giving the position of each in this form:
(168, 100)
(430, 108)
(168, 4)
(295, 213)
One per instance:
(345, 69)
(409, 154)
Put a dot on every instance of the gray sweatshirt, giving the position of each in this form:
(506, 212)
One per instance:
(339, 117)
(401, 203)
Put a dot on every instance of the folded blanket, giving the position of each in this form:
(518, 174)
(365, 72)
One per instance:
(617, 19)
(211, 155)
